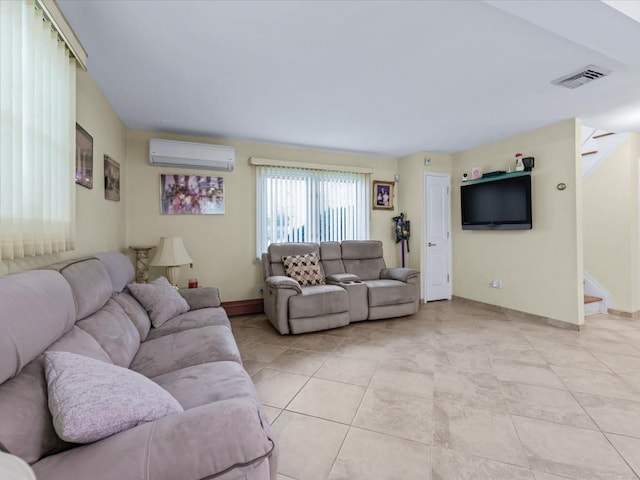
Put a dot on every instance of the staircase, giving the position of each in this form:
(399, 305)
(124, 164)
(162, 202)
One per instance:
(597, 146)
(593, 305)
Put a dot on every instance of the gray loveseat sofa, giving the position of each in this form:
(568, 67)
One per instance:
(83, 307)
(357, 286)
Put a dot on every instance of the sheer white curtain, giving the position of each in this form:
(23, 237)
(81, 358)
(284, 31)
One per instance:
(304, 205)
(37, 135)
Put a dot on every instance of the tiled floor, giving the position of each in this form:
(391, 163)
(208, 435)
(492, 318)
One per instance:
(454, 392)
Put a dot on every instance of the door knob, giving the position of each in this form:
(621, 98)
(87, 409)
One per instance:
(431, 244)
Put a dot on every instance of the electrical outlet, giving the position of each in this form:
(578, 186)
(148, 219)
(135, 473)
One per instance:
(496, 283)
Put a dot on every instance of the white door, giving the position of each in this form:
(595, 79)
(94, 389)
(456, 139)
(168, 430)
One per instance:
(437, 223)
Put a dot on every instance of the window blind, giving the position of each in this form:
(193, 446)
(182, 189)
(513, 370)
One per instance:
(304, 205)
(37, 143)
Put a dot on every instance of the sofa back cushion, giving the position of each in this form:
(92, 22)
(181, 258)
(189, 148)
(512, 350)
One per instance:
(36, 309)
(119, 268)
(276, 251)
(114, 331)
(90, 284)
(331, 257)
(23, 402)
(136, 313)
(363, 258)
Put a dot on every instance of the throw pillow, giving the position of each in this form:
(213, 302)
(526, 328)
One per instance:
(90, 400)
(160, 299)
(305, 269)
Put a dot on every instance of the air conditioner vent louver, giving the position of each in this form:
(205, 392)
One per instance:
(582, 76)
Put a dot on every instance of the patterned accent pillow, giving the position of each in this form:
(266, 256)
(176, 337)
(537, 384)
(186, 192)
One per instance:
(305, 269)
(90, 399)
(160, 299)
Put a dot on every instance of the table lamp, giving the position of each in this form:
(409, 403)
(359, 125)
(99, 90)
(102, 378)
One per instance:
(171, 254)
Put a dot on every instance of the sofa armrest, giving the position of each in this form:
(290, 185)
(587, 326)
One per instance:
(280, 281)
(401, 274)
(198, 298)
(338, 278)
(198, 443)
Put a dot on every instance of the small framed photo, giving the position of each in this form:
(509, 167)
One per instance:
(191, 194)
(84, 157)
(383, 195)
(476, 173)
(111, 179)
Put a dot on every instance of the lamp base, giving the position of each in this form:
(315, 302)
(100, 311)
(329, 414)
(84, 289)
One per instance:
(173, 274)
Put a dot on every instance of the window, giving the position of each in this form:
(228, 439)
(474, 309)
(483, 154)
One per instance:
(37, 107)
(304, 205)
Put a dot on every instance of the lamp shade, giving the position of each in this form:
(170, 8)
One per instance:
(171, 252)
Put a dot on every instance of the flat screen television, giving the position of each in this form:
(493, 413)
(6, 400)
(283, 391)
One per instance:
(503, 204)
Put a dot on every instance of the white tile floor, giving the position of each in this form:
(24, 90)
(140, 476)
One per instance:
(453, 392)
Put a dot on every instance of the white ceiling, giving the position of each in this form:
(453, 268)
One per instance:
(384, 77)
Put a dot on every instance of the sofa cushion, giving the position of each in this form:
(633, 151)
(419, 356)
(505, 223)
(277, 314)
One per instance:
(203, 297)
(390, 292)
(331, 258)
(160, 299)
(23, 401)
(305, 269)
(185, 349)
(90, 400)
(90, 283)
(136, 313)
(114, 331)
(26, 300)
(207, 383)
(363, 258)
(119, 267)
(191, 319)
(319, 300)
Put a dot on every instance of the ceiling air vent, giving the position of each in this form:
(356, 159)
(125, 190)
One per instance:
(582, 76)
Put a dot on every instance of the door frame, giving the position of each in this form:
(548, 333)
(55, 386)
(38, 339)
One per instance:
(424, 232)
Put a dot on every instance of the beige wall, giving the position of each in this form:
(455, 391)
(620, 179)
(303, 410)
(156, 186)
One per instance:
(411, 200)
(100, 224)
(223, 247)
(611, 225)
(541, 269)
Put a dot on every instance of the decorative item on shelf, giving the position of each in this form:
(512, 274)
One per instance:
(171, 254)
(193, 283)
(465, 177)
(403, 232)
(142, 261)
(476, 173)
(519, 164)
(529, 163)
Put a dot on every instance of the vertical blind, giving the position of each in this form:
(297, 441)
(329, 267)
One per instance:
(303, 205)
(37, 139)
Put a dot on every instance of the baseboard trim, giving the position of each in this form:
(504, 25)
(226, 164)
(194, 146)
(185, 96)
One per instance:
(243, 307)
(622, 313)
(520, 315)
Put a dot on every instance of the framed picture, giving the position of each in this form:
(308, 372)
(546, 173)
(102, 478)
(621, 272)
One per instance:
(191, 195)
(84, 157)
(383, 195)
(111, 179)
(476, 173)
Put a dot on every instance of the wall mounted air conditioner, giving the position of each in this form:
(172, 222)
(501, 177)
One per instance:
(171, 153)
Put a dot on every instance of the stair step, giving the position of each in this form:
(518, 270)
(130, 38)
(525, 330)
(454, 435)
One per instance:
(592, 152)
(603, 135)
(590, 299)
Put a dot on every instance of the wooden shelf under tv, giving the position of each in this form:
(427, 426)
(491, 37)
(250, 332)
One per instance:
(496, 177)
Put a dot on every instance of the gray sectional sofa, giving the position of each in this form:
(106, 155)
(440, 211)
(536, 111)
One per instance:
(356, 285)
(221, 430)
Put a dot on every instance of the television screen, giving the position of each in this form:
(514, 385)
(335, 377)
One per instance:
(503, 204)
